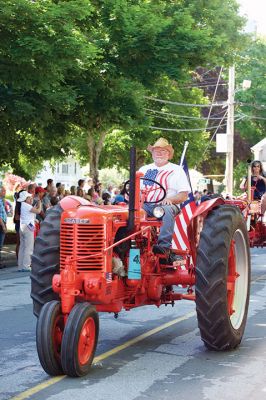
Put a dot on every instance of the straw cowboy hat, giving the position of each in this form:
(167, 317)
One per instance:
(163, 144)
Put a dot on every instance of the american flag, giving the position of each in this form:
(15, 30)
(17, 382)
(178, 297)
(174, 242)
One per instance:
(154, 191)
(180, 239)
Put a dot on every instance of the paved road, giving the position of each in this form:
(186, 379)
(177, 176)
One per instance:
(172, 363)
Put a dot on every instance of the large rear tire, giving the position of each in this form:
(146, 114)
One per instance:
(49, 333)
(45, 259)
(223, 278)
(80, 340)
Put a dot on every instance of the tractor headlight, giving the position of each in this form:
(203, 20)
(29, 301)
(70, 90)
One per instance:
(158, 212)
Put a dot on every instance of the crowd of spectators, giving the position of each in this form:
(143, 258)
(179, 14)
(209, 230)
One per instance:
(39, 199)
(32, 202)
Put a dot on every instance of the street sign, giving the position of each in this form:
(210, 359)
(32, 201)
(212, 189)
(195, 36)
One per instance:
(204, 181)
(221, 143)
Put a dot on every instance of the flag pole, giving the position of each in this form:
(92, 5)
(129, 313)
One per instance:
(184, 163)
(183, 153)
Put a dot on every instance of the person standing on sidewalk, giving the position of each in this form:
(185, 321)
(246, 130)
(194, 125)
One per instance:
(3, 219)
(26, 231)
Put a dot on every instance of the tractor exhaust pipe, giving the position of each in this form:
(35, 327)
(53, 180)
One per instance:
(132, 190)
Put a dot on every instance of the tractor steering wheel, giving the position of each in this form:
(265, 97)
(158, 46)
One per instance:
(149, 191)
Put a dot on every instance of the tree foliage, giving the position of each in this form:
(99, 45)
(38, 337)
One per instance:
(147, 47)
(86, 66)
(251, 102)
(40, 46)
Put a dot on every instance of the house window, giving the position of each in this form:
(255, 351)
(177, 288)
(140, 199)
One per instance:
(57, 168)
(64, 168)
(75, 168)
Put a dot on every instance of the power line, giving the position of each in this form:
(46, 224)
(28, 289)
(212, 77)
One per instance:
(183, 130)
(201, 86)
(221, 104)
(208, 145)
(258, 106)
(179, 115)
(220, 112)
(214, 95)
(190, 130)
(251, 116)
(167, 119)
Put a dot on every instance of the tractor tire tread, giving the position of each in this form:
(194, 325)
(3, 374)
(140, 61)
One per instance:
(45, 260)
(216, 330)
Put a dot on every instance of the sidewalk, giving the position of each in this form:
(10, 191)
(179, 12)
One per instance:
(9, 255)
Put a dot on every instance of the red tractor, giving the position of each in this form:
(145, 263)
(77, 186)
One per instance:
(89, 259)
(255, 219)
(251, 208)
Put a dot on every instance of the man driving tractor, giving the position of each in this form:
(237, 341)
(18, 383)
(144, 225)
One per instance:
(173, 179)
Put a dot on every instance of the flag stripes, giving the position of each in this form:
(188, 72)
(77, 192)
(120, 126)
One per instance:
(180, 239)
(154, 191)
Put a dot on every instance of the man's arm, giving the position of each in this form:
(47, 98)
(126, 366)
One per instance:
(177, 199)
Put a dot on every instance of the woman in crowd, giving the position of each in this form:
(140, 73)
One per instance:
(80, 192)
(93, 196)
(16, 219)
(26, 231)
(73, 190)
(258, 182)
(106, 198)
(61, 192)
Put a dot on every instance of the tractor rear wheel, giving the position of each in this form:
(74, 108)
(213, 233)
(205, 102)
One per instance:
(45, 259)
(49, 333)
(80, 340)
(223, 278)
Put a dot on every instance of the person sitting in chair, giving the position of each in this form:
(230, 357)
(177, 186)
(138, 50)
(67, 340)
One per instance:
(258, 182)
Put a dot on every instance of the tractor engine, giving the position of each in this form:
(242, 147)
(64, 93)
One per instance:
(91, 264)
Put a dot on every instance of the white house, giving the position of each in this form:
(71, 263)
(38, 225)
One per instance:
(67, 172)
(259, 151)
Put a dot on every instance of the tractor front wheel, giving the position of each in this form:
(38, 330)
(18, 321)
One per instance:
(223, 278)
(80, 340)
(49, 333)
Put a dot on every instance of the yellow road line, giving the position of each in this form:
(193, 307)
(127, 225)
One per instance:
(38, 388)
(52, 381)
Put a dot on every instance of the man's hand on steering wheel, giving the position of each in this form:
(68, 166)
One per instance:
(166, 202)
(163, 194)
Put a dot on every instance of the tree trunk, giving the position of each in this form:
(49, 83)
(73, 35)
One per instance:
(95, 144)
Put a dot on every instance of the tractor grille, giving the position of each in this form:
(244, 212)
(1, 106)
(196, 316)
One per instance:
(79, 241)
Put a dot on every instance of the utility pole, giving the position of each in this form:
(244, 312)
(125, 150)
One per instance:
(230, 133)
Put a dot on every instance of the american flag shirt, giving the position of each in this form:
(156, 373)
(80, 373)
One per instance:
(171, 176)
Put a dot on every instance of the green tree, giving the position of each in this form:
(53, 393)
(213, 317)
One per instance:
(41, 44)
(86, 66)
(251, 103)
(143, 45)
(166, 115)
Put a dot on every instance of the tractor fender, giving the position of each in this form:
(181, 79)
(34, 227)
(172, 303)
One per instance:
(202, 210)
(73, 202)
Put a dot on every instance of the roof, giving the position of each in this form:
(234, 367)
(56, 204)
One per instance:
(259, 145)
